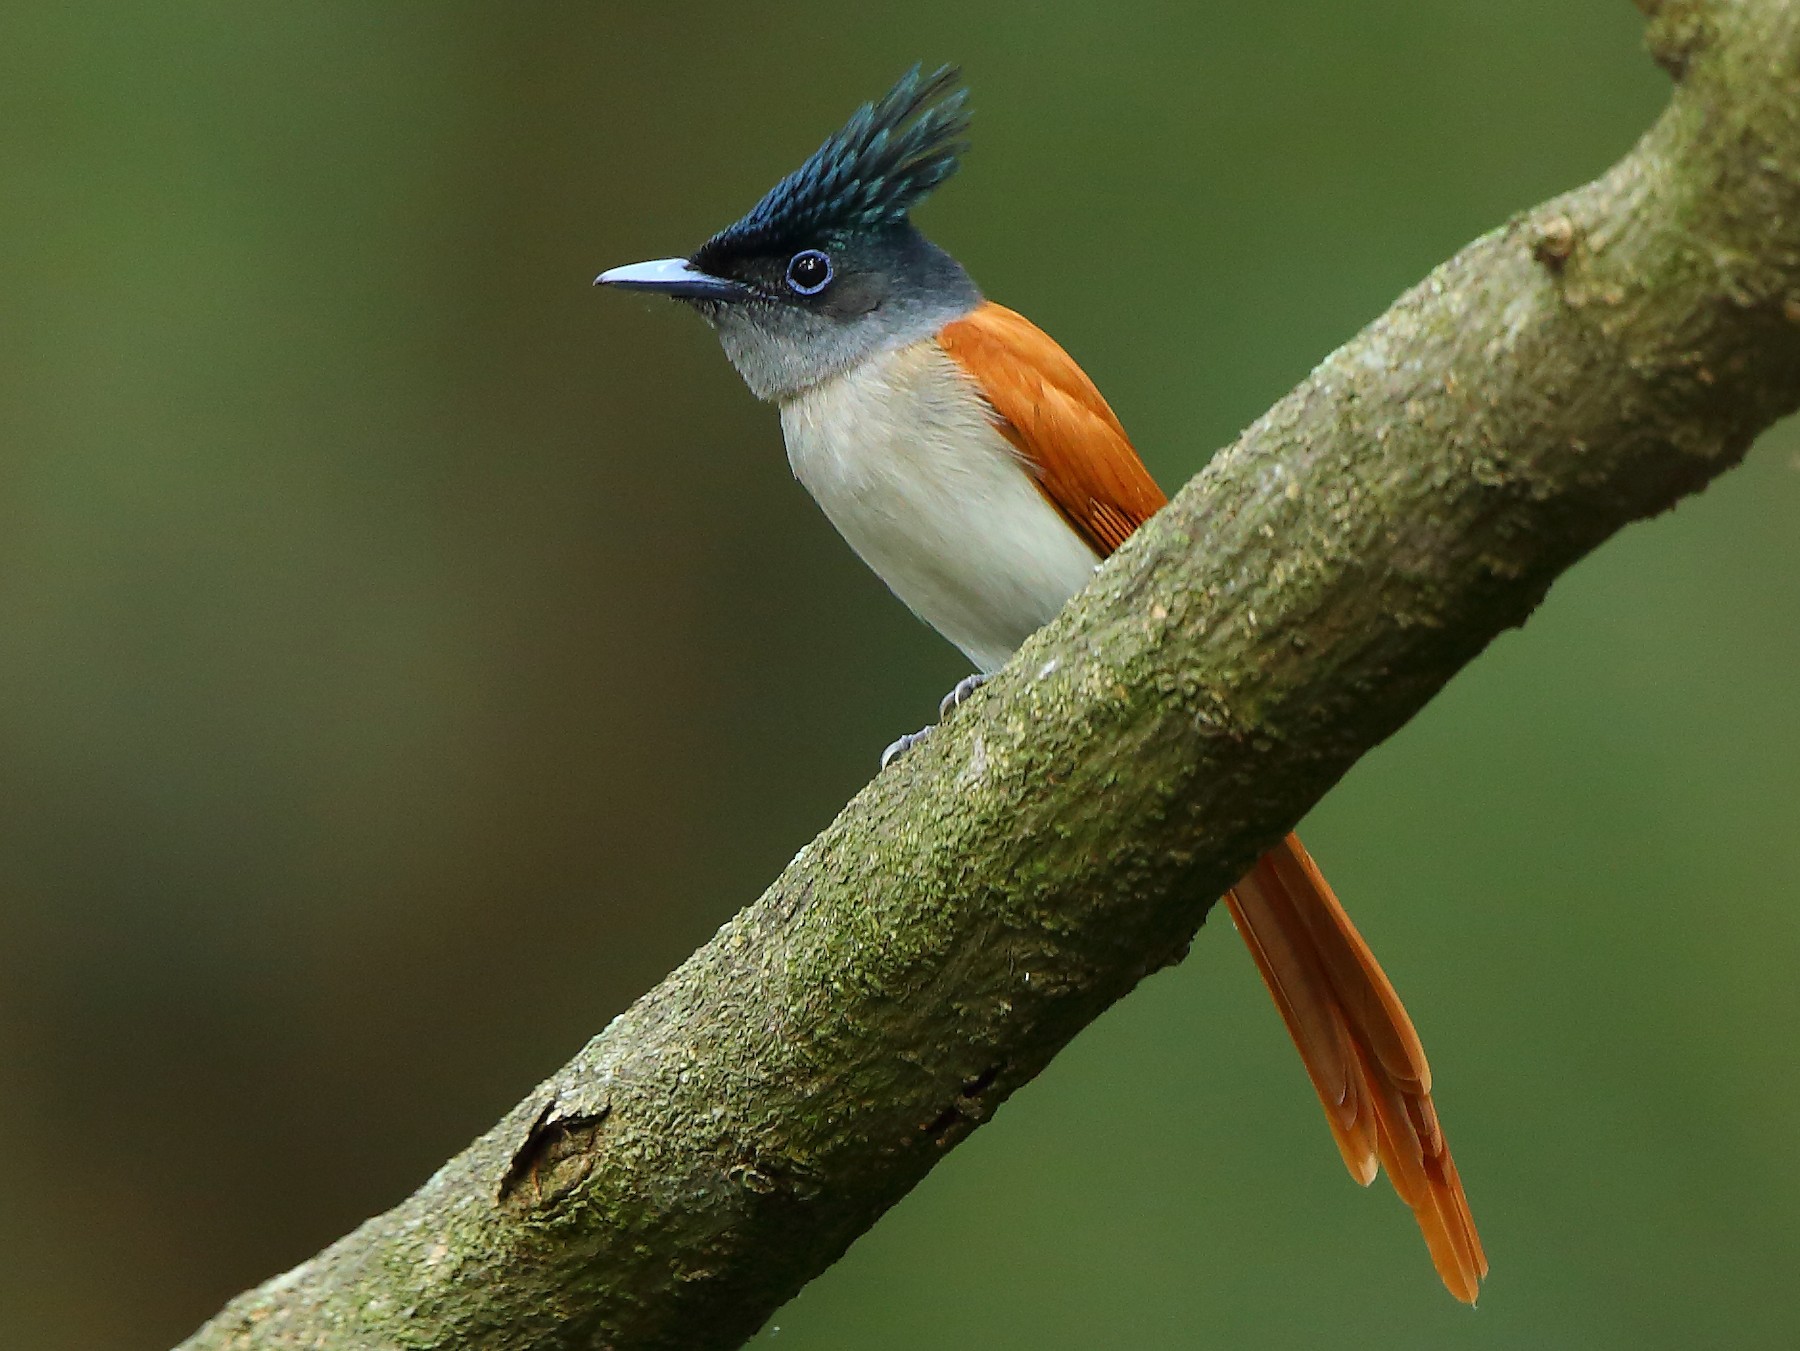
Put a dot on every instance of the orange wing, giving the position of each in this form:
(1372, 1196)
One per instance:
(1058, 422)
(1356, 1040)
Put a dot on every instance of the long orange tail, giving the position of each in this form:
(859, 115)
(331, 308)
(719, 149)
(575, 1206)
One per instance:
(1360, 1050)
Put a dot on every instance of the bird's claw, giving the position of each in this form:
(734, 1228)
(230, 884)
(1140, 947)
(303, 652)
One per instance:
(949, 703)
(964, 688)
(898, 748)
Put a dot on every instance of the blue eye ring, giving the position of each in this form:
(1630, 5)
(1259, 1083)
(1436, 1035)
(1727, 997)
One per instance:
(809, 272)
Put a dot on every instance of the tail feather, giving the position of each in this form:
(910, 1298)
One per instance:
(1314, 1020)
(1360, 1050)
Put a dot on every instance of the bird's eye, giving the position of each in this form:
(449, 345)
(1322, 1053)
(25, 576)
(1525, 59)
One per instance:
(809, 272)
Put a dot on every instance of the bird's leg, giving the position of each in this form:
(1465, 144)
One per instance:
(950, 702)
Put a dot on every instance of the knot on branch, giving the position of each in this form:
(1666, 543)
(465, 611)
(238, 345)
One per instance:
(555, 1157)
(1678, 31)
(1554, 242)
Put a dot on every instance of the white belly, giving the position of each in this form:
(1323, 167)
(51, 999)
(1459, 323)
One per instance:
(900, 454)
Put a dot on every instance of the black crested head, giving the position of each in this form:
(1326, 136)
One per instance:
(827, 270)
(887, 158)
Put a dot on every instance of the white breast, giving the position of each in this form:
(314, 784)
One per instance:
(901, 455)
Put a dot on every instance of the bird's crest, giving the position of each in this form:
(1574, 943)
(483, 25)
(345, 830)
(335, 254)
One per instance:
(869, 173)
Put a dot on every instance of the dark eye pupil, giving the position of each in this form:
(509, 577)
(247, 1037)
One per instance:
(809, 271)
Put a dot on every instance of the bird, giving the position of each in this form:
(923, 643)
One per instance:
(970, 462)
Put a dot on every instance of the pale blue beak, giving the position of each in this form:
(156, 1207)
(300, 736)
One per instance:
(673, 277)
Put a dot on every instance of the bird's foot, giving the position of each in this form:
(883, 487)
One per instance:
(948, 704)
(898, 748)
(964, 688)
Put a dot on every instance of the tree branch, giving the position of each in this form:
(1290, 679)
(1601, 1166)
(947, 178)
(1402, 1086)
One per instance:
(724, 1140)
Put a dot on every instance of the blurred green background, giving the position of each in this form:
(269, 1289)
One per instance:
(408, 654)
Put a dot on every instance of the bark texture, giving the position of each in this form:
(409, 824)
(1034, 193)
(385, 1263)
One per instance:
(723, 1141)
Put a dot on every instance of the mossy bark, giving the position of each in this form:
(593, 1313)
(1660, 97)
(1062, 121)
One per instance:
(725, 1139)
